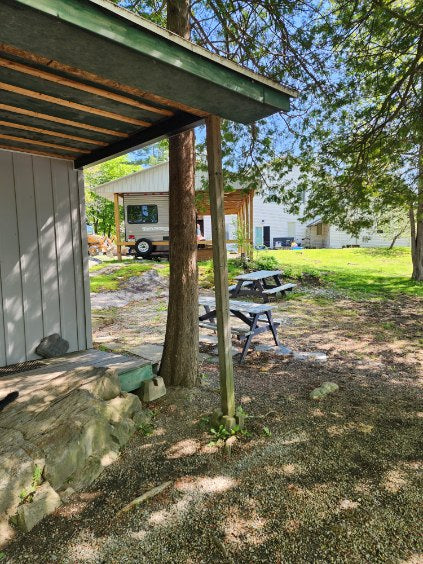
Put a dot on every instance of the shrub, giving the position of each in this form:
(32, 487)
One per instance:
(265, 262)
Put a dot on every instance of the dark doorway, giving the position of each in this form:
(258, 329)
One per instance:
(266, 235)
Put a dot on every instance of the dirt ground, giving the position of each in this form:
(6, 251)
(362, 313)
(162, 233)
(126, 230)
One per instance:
(338, 480)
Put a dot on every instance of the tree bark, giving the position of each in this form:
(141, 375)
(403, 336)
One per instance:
(416, 221)
(179, 365)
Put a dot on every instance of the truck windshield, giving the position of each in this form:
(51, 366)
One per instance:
(142, 214)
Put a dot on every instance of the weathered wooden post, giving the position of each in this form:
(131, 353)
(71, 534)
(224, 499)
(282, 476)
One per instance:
(117, 226)
(216, 189)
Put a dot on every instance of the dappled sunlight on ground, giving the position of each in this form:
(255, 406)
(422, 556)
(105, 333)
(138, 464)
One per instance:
(338, 480)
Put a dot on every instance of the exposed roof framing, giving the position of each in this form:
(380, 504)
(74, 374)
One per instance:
(84, 80)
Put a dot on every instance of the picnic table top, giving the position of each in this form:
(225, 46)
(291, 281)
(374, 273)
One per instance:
(235, 305)
(258, 275)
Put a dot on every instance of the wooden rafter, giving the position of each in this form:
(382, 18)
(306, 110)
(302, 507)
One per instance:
(13, 125)
(56, 65)
(55, 119)
(43, 143)
(36, 152)
(19, 67)
(73, 105)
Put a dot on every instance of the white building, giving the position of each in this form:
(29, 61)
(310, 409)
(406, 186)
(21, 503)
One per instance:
(274, 226)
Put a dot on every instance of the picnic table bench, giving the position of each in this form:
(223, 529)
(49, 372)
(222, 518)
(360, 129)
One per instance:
(257, 319)
(257, 284)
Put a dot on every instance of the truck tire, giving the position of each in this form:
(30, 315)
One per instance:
(143, 248)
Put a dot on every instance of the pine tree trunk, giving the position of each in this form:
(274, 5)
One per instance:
(179, 365)
(416, 220)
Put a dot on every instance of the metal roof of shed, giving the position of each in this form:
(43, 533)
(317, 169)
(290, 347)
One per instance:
(84, 80)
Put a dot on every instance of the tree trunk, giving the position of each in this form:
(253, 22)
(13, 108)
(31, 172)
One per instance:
(179, 365)
(394, 240)
(416, 221)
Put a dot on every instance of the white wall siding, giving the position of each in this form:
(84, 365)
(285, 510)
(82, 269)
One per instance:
(366, 238)
(281, 223)
(44, 285)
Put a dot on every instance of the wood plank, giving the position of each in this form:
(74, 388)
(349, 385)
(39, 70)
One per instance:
(216, 189)
(42, 143)
(47, 245)
(2, 335)
(85, 264)
(14, 327)
(117, 225)
(56, 119)
(258, 275)
(65, 263)
(29, 254)
(74, 105)
(81, 86)
(36, 152)
(84, 75)
(52, 133)
(76, 229)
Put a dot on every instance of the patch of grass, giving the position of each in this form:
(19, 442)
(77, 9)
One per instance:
(373, 272)
(205, 272)
(113, 280)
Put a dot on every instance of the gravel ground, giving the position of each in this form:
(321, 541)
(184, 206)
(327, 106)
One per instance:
(334, 481)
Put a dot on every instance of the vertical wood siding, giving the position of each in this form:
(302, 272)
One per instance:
(44, 286)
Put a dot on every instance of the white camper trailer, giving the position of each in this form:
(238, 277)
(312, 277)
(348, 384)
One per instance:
(147, 221)
(145, 198)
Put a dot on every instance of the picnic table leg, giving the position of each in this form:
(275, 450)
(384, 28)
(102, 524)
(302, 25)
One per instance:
(260, 290)
(236, 291)
(249, 338)
(273, 328)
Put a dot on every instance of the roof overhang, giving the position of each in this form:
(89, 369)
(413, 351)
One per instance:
(84, 80)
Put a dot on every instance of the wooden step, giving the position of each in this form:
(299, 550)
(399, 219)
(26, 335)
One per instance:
(277, 289)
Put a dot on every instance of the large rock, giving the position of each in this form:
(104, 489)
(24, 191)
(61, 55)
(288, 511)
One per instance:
(18, 460)
(44, 502)
(52, 346)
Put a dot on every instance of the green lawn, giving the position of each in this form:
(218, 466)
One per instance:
(357, 272)
(379, 272)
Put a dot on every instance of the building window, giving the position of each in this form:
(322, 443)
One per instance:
(319, 229)
(291, 228)
(142, 214)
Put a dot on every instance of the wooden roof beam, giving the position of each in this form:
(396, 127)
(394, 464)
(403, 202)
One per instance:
(43, 143)
(25, 69)
(73, 105)
(85, 75)
(56, 119)
(36, 152)
(13, 125)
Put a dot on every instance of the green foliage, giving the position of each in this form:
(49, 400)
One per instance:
(265, 261)
(100, 211)
(221, 434)
(145, 429)
(267, 432)
(26, 496)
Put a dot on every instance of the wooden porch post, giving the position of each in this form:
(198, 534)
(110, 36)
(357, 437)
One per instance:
(117, 227)
(251, 233)
(216, 189)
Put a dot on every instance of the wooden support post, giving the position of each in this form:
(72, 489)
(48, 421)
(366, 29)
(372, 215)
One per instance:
(251, 233)
(117, 227)
(216, 189)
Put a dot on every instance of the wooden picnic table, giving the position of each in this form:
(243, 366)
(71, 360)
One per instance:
(256, 317)
(262, 283)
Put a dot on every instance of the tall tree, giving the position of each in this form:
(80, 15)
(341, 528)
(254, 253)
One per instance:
(179, 366)
(100, 211)
(363, 154)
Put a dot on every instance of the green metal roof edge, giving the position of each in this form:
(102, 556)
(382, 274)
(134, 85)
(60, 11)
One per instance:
(103, 19)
